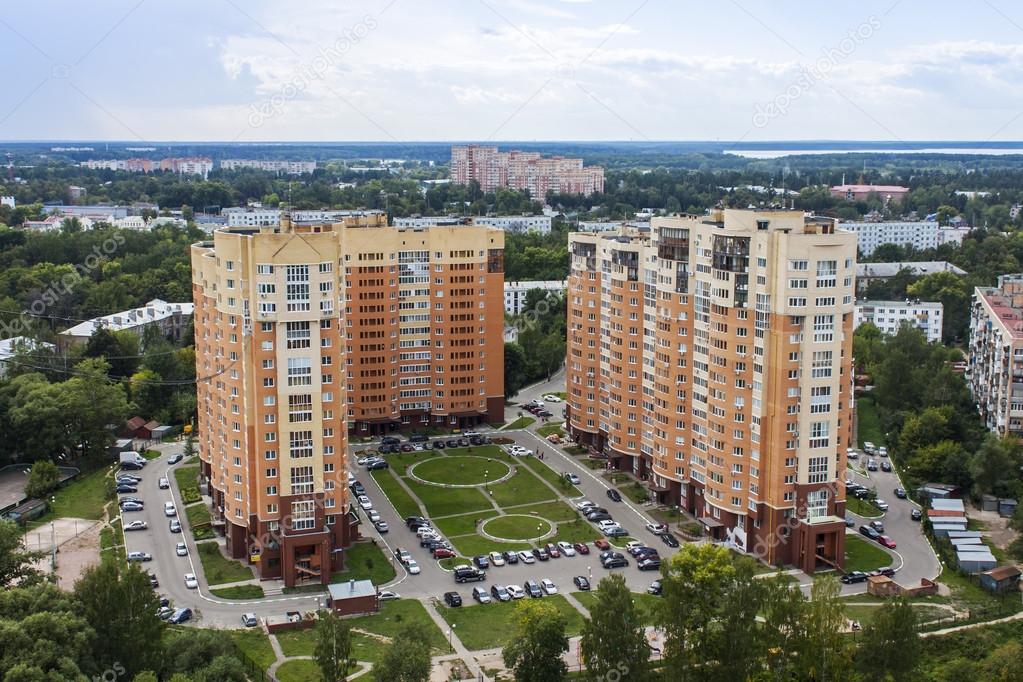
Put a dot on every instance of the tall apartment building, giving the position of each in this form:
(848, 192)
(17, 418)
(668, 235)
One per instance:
(524, 171)
(995, 370)
(305, 331)
(711, 357)
(919, 234)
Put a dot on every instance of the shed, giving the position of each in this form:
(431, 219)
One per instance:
(145, 432)
(966, 542)
(1000, 579)
(1006, 507)
(988, 503)
(949, 505)
(353, 597)
(952, 534)
(121, 445)
(975, 562)
(938, 491)
(158, 432)
(132, 426)
(942, 530)
(27, 511)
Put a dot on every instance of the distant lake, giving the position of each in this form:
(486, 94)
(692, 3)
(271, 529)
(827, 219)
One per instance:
(778, 153)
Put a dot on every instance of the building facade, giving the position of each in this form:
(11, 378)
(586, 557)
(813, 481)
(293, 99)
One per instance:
(868, 273)
(711, 357)
(919, 234)
(281, 166)
(170, 318)
(524, 171)
(306, 331)
(863, 192)
(515, 293)
(995, 370)
(510, 223)
(888, 316)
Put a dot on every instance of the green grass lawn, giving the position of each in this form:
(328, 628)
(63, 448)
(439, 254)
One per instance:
(484, 626)
(635, 492)
(198, 516)
(552, 511)
(520, 423)
(462, 525)
(365, 561)
(863, 508)
(576, 531)
(298, 671)
(553, 477)
(517, 527)
(402, 501)
(864, 555)
(218, 569)
(575, 450)
(643, 601)
(111, 542)
(864, 613)
(868, 422)
(150, 455)
(522, 488)
(188, 484)
(83, 498)
(297, 642)
(239, 592)
(255, 645)
(551, 427)
(449, 501)
(461, 470)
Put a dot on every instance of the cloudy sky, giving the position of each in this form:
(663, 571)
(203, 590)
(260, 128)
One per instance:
(255, 70)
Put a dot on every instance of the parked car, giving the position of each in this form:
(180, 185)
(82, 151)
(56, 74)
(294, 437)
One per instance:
(598, 516)
(881, 504)
(418, 438)
(877, 525)
(869, 532)
(181, 549)
(882, 451)
(532, 588)
(175, 526)
(850, 522)
(481, 595)
(131, 506)
(511, 557)
(402, 555)
(139, 556)
(614, 495)
(249, 620)
(499, 593)
(566, 548)
(548, 586)
(515, 591)
(468, 574)
(481, 561)
(387, 595)
(175, 458)
(438, 445)
(584, 504)
(581, 548)
(854, 577)
(377, 464)
(163, 483)
(582, 582)
(869, 448)
(573, 479)
(551, 398)
(553, 550)
(887, 571)
(900, 493)
(180, 616)
(496, 559)
(373, 515)
(527, 557)
(649, 563)
(915, 514)
(164, 612)
(136, 525)
(657, 528)
(541, 554)
(381, 526)
(872, 465)
(886, 541)
(124, 489)
(601, 543)
(452, 599)
(357, 488)
(364, 502)
(655, 588)
(169, 509)
(442, 553)
(616, 560)
(616, 532)
(886, 466)
(412, 566)
(190, 581)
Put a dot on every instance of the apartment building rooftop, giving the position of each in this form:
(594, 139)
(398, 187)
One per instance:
(153, 311)
(1006, 302)
(921, 268)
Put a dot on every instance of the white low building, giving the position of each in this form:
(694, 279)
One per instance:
(888, 316)
(9, 348)
(515, 293)
(919, 234)
(280, 166)
(517, 223)
(171, 318)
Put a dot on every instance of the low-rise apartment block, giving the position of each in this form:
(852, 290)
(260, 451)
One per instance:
(867, 273)
(512, 223)
(995, 370)
(888, 316)
(524, 171)
(919, 234)
(515, 293)
(282, 166)
(711, 357)
(171, 318)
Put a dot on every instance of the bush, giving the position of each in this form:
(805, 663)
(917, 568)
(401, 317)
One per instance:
(42, 479)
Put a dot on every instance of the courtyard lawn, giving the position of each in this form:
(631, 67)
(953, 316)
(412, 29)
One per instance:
(473, 545)
(297, 642)
(198, 516)
(239, 592)
(554, 478)
(520, 423)
(552, 427)
(552, 511)
(218, 569)
(461, 470)
(254, 645)
(365, 561)
(83, 498)
(440, 501)
(522, 488)
(863, 508)
(645, 603)
(396, 614)
(461, 525)
(400, 462)
(868, 422)
(517, 527)
(576, 531)
(864, 555)
(302, 670)
(485, 626)
(401, 500)
(188, 485)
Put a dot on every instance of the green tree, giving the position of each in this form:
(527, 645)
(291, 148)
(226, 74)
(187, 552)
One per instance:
(954, 295)
(16, 563)
(121, 606)
(996, 466)
(822, 652)
(890, 646)
(614, 638)
(91, 403)
(43, 636)
(407, 657)
(42, 479)
(333, 647)
(515, 368)
(534, 652)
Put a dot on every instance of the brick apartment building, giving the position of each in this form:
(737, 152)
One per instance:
(306, 331)
(524, 171)
(711, 357)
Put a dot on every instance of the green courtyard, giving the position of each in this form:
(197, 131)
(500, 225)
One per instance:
(483, 499)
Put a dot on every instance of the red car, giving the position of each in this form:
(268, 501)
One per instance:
(582, 547)
(887, 541)
(553, 550)
(602, 544)
(442, 553)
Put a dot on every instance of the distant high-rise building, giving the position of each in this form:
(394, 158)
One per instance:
(524, 171)
(711, 357)
(996, 354)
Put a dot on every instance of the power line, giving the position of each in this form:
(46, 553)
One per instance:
(112, 377)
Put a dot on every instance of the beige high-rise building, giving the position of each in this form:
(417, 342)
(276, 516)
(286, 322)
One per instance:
(711, 357)
(524, 171)
(307, 331)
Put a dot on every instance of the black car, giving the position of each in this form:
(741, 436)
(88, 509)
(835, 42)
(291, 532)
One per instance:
(850, 522)
(468, 574)
(582, 583)
(869, 532)
(377, 464)
(614, 495)
(854, 577)
(500, 593)
(125, 489)
(541, 554)
(390, 440)
(452, 599)
(431, 543)
(647, 553)
(180, 616)
(669, 539)
(616, 561)
(481, 561)
(886, 465)
(861, 493)
(452, 443)
(387, 449)
(598, 516)
(649, 564)
(532, 588)
(418, 438)
(511, 557)
(439, 445)
(916, 514)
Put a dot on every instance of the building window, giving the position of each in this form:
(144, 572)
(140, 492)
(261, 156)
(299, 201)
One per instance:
(818, 469)
(821, 368)
(300, 408)
(297, 334)
(300, 444)
(819, 434)
(820, 399)
(300, 372)
(817, 504)
(302, 481)
(303, 515)
(823, 328)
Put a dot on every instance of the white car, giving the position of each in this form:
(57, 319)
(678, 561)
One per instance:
(573, 479)
(373, 515)
(163, 483)
(424, 531)
(361, 461)
(634, 544)
(548, 586)
(365, 503)
(181, 549)
(191, 582)
(566, 548)
(387, 595)
(607, 523)
(496, 559)
(136, 525)
(551, 398)
(583, 505)
(881, 504)
(657, 528)
(169, 510)
(517, 450)
(515, 591)
(527, 557)
(351, 478)
(412, 566)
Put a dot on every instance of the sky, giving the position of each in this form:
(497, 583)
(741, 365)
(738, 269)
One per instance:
(481, 70)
